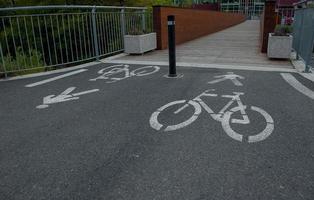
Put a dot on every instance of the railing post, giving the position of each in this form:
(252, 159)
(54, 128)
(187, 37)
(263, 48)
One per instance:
(143, 20)
(95, 32)
(2, 58)
(122, 20)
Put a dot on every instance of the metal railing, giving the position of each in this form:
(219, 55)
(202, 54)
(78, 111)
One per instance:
(303, 36)
(41, 38)
(285, 15)
(253, 9)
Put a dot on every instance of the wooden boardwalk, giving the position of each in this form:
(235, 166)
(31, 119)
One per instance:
(238, 45)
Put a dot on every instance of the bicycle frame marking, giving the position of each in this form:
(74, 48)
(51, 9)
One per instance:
(223, 116)
(108, 72)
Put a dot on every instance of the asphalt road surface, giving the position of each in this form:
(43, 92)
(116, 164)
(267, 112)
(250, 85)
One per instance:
(140, 135)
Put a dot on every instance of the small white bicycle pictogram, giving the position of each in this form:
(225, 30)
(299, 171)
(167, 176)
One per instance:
(119, 72)
(224, 115)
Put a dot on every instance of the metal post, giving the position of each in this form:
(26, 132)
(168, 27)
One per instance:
(122, 19)
(95, 32)
(143, 21)
(172, 46)
(2, 58)
(122, 24)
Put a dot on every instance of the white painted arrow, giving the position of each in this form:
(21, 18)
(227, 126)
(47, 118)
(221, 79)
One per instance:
(64, 96)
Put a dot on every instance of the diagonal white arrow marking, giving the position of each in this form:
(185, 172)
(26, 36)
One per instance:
(64, 96)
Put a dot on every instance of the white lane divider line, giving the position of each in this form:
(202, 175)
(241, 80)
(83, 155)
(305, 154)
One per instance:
(56, 78)
(297, 85)
(309, 76)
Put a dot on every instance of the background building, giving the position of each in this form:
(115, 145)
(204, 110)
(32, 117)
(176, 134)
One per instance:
(251, 8)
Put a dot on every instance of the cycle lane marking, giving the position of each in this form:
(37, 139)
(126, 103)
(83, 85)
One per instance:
(223, 116)
(123, 69)
(56, 78)
(289, 78)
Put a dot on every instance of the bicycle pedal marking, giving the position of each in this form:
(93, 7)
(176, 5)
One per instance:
(224, 116)
(108, 72)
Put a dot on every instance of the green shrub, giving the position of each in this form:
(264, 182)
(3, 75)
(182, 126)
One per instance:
(22, 63)
(283, 30)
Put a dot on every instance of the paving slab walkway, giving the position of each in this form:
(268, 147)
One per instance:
(238, 45)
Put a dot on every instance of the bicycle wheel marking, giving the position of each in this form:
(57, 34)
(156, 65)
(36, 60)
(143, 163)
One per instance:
(157, 126)
(253, 138)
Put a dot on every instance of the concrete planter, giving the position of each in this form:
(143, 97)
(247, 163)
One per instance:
(139, 44)
(279, 46)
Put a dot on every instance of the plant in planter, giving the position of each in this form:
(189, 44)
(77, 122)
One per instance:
(139, 42)
(280, 42)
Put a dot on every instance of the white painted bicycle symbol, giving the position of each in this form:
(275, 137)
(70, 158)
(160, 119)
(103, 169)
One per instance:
(224, 115)
(123, 72)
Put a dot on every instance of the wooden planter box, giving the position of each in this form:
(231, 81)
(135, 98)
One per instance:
(139, 44)
(279, 46)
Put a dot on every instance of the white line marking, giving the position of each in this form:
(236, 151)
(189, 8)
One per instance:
(201, 65)
(297, 85)
(85, 92)
(309, 76)
(56, 78)
(57, 71)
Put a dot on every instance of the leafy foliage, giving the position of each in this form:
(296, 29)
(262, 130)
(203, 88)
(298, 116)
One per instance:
(23, 61)
(283, 30)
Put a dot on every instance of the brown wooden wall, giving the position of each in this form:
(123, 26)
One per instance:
(191, 23)
(268, 23)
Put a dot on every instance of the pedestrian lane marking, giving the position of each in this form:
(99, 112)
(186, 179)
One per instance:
(56, 78)
(229, 76)
(289, 78)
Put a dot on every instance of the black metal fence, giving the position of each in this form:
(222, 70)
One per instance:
(40, 38)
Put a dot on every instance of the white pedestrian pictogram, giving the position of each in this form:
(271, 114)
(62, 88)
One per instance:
(229, 76)
(64, 96)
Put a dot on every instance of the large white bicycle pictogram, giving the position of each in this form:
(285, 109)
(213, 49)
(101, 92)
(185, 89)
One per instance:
(119, 72)
(224, 115)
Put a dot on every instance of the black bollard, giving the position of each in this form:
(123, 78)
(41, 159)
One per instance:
(172, 46)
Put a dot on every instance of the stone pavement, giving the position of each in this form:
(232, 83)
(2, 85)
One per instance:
(238, 45)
